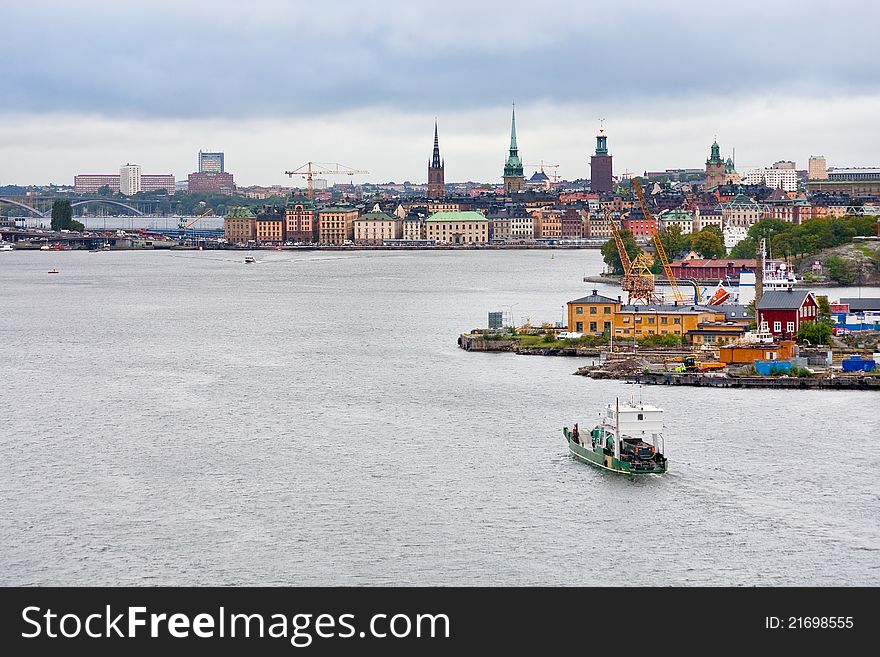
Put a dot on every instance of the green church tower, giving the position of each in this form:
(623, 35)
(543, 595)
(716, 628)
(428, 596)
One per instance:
(513, 168)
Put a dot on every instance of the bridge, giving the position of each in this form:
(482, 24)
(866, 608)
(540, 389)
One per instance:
(74, 203)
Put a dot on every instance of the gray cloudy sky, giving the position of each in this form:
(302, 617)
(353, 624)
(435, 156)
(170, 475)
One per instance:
(89, 85)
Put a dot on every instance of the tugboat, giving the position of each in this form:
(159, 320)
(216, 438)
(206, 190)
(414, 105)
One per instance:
(640, 448)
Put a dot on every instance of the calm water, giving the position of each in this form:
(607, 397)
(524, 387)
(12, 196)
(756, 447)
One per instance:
(183, 418)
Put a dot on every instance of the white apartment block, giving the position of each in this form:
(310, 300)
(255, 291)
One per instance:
(773, 178)
(129, 179)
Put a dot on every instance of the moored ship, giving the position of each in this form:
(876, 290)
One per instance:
(639, 449)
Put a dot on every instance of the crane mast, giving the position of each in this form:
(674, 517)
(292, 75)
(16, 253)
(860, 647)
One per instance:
(658, 245)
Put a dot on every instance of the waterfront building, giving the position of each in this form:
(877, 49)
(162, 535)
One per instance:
(548, 222)
(513, 167)
(151, 182)
(457, 228)
(716, 333)
(373, 228)
(678, 217)
(816, 168)
(783, 312)
(592, 314)
(635, 321)
(91, 183)
(775, 177)
(499, 228)
(572, 224)
(522, 225)
(300, 223)
(712, 270)
(436, 166)
(414, 226)
(336, 224)
(129, 179)
(746, 354)
(239, 226)
(716, 168)
(269, 226)
(211, 162)
(598, 225)
(206, 183)
(601, 177)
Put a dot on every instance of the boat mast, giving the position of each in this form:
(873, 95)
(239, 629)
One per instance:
(617, 428)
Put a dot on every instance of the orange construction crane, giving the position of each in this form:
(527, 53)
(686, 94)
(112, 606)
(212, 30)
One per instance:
(658, 246)
(638, 281)
(310, 169)
(199, 218)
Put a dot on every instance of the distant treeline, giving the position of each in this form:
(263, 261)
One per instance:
(787, 240)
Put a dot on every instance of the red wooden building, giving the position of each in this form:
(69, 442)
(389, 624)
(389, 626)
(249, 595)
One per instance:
(783, 312)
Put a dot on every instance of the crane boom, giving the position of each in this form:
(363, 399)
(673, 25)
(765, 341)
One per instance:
(621, 250)
(310, 169)
(658, 245)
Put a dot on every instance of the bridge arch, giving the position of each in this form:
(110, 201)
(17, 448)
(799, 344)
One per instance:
(109, 202)
(22, 205)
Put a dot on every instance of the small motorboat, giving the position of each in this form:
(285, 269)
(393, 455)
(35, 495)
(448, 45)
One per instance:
(53, 271)
(249, 259)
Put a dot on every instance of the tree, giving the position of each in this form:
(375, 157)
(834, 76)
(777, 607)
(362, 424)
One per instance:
(824, 308)
(62, 214)
(712, 228)
(77, 226)
(674, 243)
(839, 270)
(104, 190)
(708, 244)
(815, 333)
(612, 257)
(745, 249)
(767, 229)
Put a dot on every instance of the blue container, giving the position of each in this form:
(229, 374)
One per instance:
(771, 367)
(858, 364)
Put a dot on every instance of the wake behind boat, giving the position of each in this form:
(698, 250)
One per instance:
(639, 449)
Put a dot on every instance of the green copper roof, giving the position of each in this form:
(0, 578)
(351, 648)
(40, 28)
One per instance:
(457, 216)
(715, 156)
(239, 212)
(513, 167)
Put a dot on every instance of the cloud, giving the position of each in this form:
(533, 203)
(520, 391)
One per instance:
(395, 144)
(220, 58)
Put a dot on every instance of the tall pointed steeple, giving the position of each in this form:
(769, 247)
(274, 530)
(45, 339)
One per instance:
(513, 168)
(513, 149)
(436, 175)
(435, 160)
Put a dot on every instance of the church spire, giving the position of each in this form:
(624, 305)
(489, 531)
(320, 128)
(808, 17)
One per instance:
(435, 159)
(513, 149)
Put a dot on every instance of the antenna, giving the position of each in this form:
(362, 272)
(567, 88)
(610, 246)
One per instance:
(601, 125)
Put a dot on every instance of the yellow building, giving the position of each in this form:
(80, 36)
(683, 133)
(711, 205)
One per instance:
(269, 226)
(375, 227)
(239, 226)
(656, 319)
(336, 224)
(457, 228)
(593, 314)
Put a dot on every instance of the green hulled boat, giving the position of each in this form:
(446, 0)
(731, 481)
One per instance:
(640, 448)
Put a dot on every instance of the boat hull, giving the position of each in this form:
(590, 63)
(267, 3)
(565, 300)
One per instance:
(607, 462)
